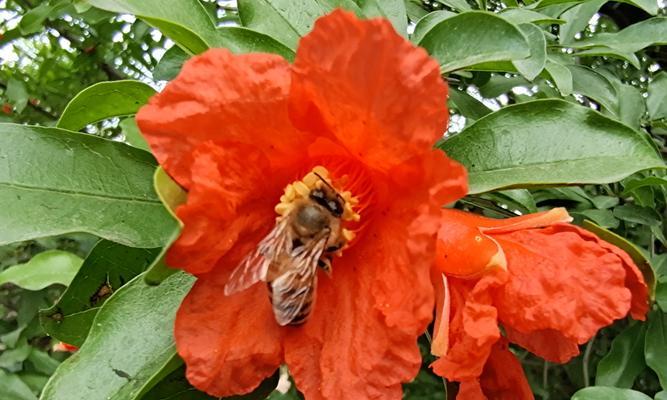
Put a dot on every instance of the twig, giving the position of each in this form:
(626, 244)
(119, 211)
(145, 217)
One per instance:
(587, 356)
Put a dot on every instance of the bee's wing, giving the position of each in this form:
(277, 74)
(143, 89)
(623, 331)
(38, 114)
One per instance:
(293, 292)
(255, 266)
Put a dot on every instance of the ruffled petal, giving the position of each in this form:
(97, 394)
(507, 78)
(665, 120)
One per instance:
(634, 280)
(559, 281)
(503, 378)
(230, 197)
(361, 339)
(369, 88)
(549, 344)
(220, 96)
(473, 327)
(230, 344)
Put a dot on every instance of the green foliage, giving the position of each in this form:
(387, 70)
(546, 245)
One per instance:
(544, 95)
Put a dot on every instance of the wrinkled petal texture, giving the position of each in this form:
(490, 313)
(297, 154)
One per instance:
(220, 97)
(473, 327)
(560, 282)
(368, 88)
(230, 344)
(503, 378)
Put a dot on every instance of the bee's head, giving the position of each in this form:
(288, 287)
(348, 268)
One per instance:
(329, 199)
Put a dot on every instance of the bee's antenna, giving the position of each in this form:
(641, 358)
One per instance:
(328, 184)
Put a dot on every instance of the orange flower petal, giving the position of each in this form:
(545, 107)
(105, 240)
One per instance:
(368, 87)
(473, 327)
(221, 96)
(503, 377)
(230, 197)
(560, 281)
(634, 280)
(549, 344)
(229, 344)
(360, 341)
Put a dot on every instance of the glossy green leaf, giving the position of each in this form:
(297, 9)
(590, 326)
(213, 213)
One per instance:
(287, 20)
(13, 388)
(104, 100)
(462, 41)
(577, 19)
(500, 84)
(657, 97)
(523, 16)
(171, 195)
(108, 267)
(459, 5)
(604, 51)
(595, 86)
(655, 349)
(643, 182)
(533, 65)
(608, 393)
(548, 142)
(561, 76)
(631, 105)
(170, 64)
(650, 6)
(44, 269)
(635, 37)
(625, 360)
(393, 10)
(467, 105)
(661, 293)
(427, 23)
(661, 395)
(133, 134)
(244, 40)
(93, 185)
(624, 244)
(186, 22)
(604, 218)
(33, 20)
(130, 341)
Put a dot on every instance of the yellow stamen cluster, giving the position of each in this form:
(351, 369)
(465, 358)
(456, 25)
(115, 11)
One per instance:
(301, 190)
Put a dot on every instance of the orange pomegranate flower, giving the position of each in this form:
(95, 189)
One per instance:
(549, 284)
(249, 136)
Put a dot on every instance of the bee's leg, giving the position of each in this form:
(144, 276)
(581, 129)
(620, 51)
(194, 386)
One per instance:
(325, 263)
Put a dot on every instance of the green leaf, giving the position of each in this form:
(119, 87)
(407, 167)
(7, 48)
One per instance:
(244, 40)
(635, 37)
(287, 20)
(133, 134)
(624, 244)
(44, 269)
(650, 6)
(108, 267)
(657, 97)
(631, 106)
(561, 76)
(604, 51)
(467, 105)
(661, 293)
(130, 341)
(523, 16)
(462, 41)
(93, 185)
(639, 183)
(170, 64)
(595, 86)
(533, 65)
(13, 388)
(42, 362)
(637, 215)
(426, 23)
(625, 360)
(33, 20)
(548, 142)
(655, 349)
(104, 100)
(393, 10)
(661, 395)
(186, 22)
(577, 19)
(608, 393)
(604, 218)
(171, 195)
(17, 94)
(501, 84)
(458, 5)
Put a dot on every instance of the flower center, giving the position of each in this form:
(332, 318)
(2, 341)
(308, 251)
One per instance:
(315, 194)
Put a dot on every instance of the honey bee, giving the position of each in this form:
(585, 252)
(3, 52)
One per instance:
(306, 236)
